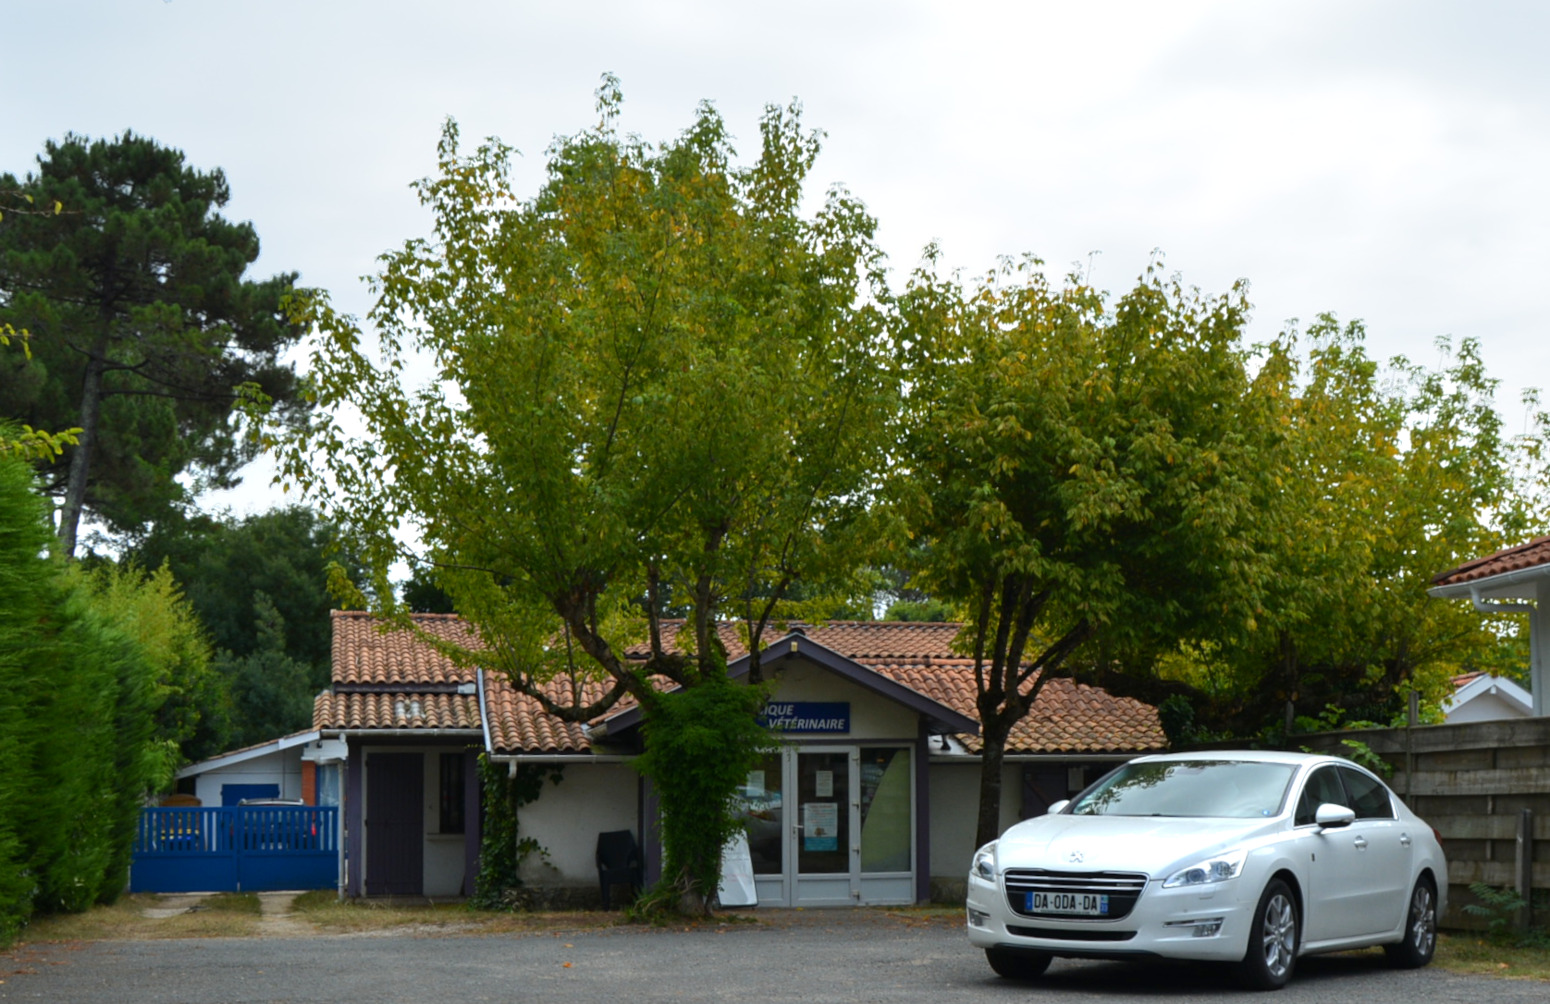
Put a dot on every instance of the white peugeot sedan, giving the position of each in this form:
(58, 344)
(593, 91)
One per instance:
(1253, 858)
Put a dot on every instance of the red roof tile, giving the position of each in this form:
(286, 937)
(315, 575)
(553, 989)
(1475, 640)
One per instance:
(1512, 559)
(365, 654)
(395, 711)
(1066, 718)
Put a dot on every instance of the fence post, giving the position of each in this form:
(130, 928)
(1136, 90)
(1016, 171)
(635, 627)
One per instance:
(1525, 868)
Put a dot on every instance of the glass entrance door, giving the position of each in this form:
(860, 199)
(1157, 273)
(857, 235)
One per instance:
(832, 825)
(825, 853)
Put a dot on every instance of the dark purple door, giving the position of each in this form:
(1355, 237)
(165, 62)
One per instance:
(395, 824)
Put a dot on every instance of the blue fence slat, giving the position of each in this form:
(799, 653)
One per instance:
(249, 848)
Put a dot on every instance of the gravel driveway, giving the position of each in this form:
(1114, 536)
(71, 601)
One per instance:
(846, 956)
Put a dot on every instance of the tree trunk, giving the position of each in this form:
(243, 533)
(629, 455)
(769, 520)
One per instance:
(991, 758)
(80, 456)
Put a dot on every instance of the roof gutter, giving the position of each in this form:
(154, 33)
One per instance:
(515, 760)
(1459, 590)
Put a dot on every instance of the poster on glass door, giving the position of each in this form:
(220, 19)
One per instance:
(820, 826)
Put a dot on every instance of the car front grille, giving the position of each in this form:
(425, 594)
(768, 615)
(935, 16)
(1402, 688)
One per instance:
(1122, 888)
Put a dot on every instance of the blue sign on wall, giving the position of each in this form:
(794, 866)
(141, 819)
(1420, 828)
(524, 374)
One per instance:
(807, 716)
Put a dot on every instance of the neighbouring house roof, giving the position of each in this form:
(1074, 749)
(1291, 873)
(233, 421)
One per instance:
(377, 674)
(1498, 696)
(1512, 559)
(246, 753)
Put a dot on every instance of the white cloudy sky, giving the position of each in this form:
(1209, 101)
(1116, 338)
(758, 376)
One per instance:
(1384, 160)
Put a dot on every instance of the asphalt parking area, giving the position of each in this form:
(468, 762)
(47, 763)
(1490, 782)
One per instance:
(807, 956)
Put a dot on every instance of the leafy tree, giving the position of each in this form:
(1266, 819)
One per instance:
(1077, 474)
(259, 585)
(1391, 475)
(270, 692)
(655, 382)
(222, 564)
(422, 596)
(150, 609)
(145, 334)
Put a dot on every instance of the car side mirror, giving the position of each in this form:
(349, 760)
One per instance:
(1331, 816)
(1057, 806)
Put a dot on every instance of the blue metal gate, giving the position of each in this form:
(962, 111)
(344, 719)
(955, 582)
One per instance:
(246, 848)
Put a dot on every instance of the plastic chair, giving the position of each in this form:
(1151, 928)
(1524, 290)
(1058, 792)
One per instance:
(618, 862)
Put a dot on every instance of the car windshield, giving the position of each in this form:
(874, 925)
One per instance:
(1235, 789)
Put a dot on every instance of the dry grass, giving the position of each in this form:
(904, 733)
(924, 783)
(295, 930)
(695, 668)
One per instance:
(1474, 955)
(227, 915)
(324, 911)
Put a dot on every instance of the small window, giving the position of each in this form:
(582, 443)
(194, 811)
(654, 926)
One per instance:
(1323, 786)
(452, 793)
(1369, 798)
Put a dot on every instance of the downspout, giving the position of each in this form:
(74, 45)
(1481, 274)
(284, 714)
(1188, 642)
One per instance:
(1493, 607)
(484, 714)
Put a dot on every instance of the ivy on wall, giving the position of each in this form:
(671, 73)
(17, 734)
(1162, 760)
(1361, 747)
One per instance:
(502, 848)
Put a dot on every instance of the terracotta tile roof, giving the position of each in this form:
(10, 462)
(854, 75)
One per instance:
(1511, 559)
(364, 654)
(1066, 718)
(518, 724)
(395, 711)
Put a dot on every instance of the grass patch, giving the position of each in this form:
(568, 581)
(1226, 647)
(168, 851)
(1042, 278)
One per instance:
(1478, 956)
(227, 915)
(328, 914)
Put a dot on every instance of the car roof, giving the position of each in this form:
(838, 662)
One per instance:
(1247, 756)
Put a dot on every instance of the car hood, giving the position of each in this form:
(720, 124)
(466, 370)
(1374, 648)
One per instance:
(1156, 845)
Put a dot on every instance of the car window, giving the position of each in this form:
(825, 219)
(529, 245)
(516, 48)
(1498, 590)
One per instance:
(1369, 798)
(1235, 789)
(1323, 786)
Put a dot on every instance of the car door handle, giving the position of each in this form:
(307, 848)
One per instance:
(1404, 840)
(1361, 843)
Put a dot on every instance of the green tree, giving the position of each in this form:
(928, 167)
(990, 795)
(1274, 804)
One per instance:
(655, 381)
(150, 609)
(145, 335)
(1391, 475)
(1077, 475)
(270, 692)
(259, 585)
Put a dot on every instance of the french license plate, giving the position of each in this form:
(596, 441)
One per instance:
(1070, 903)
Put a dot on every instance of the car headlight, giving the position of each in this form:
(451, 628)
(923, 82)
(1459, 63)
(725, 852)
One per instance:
(1216, 869)
(984, 865)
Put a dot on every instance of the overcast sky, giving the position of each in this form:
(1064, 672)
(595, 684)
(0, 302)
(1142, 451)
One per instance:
(1386, 161)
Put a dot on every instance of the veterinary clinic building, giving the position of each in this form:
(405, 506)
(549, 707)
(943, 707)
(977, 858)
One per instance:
(871, 798)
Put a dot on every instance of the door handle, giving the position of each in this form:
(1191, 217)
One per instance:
(1361, 843)
(1404, 840)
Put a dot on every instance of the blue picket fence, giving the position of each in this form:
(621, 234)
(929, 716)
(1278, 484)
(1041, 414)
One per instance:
(243, 848)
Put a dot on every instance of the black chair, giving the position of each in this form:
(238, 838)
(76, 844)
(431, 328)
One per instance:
(618, 862)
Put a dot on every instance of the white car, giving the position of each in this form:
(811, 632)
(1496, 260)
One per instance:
(1253, 858)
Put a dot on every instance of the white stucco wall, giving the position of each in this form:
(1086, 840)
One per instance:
(871, 716)
(567, 817)
(955, 800)
(282, 767)
(955, 790)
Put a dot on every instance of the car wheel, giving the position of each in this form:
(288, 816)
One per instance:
(1415, 949)
(1017, 964)
(1272, 951)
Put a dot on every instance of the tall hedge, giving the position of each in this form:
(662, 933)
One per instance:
(78, 745)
